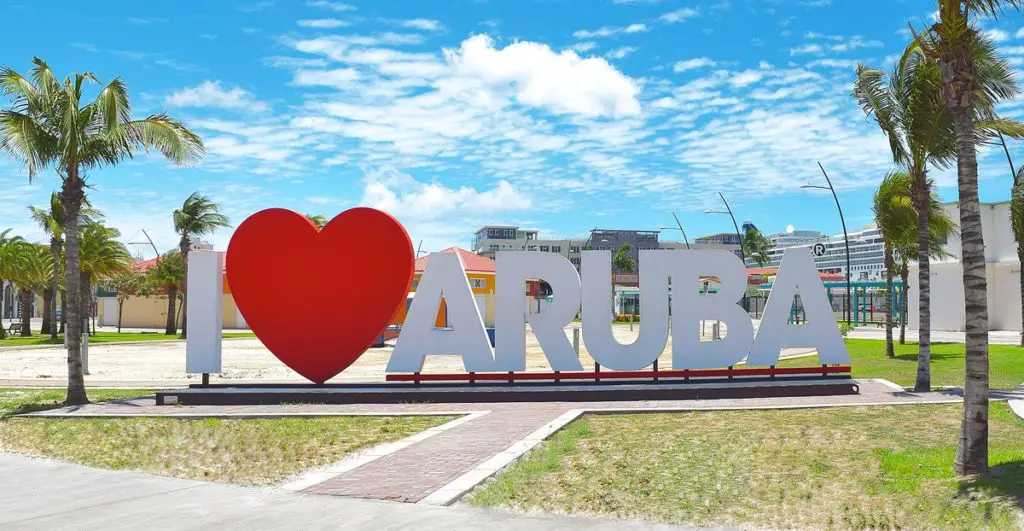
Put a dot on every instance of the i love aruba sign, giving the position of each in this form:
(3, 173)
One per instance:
(318, 298)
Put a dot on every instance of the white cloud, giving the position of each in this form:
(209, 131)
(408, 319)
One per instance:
(1019, 34)
(997, 35)
(806, 49)
(212, 94)
(621, 52)
(679, 15)
(422, 24)
(584, 46)
(562, 82)
(608, 31)
(331, 6)
(323, 23)
(402, 195)
(691, 64)
(339, 77)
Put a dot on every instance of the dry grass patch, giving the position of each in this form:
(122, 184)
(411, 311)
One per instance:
(244, 451)
(872, 467)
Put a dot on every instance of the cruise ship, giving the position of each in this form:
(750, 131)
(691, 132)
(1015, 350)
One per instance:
(867, 254)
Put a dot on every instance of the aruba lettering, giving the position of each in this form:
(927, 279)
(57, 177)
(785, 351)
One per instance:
(467, 337)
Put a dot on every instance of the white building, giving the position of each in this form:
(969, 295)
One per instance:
(1002, 274)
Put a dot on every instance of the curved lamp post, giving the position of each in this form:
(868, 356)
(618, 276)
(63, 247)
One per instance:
(743, 258)
(846, 237)
(680, 229)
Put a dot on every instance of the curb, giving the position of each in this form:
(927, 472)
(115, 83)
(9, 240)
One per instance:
(1017, 408)
(145, 342)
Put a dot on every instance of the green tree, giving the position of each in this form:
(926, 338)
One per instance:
(52, 221)
(10, 256)
(973, 80)
(128, 283)
(101, 256)
(48, 126)
(169, 273)
(196, 217)
(623, 261)
(31, 276)
(317, 219)
(756, 246)
(896, 218)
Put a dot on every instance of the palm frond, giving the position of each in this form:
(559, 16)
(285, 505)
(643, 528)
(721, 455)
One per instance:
(23, 138)
(870, 91)
(164, 134)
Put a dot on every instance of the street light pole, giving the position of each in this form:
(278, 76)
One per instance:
(743, 258)
(686, 241)
(846, 237)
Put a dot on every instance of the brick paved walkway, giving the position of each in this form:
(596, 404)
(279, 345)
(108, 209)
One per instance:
(414, 472)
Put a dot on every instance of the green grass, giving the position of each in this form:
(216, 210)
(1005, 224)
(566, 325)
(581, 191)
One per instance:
(244, 451)
(1006, 363)
(101, 337)
(866, 467)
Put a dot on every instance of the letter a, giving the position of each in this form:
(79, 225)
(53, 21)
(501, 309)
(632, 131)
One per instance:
(465, 336)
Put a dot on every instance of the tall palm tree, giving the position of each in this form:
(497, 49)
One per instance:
(169, 273)
(196, 217)
(911, 113)
(1017, 224)
(10, 256)
(895, 217)
(101, 256)
(49, 127)
(966, 59)
(31, 276)
(52, 221)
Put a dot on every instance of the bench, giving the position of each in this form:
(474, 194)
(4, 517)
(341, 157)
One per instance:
(14, 328)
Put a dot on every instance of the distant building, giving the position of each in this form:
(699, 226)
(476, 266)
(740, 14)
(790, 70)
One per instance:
(489, 239)
(867, 253)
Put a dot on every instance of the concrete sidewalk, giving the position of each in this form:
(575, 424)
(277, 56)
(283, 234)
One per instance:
(42, 494)
(999, 337)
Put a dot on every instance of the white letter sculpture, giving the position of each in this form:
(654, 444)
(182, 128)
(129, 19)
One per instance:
(511, 316)
(689, 306)
(465, 336)
(797, 274)
(598, 315)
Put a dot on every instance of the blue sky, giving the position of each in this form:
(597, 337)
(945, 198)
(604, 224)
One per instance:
(555, 115)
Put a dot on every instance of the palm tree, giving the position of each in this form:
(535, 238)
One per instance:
(10, 256)
(317, 219)
(1017, 224)
(101, 256)
(895, 217)
(196, 217)
(755, 246)
(911, 113)
(966, 59)
(169, 273)
(52, 221)
(623, 261)
(48, 126)
(31, 276)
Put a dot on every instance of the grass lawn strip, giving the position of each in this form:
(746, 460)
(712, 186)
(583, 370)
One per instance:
(102, 337)
(243, 451)
(1006, 363)
(859, 467)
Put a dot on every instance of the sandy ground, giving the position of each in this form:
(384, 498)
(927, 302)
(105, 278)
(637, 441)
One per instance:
(243, 360)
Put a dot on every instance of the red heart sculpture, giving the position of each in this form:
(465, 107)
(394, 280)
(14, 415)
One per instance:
(319, 298)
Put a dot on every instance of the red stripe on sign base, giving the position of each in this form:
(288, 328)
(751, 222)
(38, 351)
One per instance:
(823, 370)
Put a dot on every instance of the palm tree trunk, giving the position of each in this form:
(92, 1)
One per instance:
(47, 307)
(26, 311)
(55, 245)
(3, 333)
(172, 295)
(63, 310)
(921, 201)
(71, 195)
(186, 246)
(958, 81)
(905, 277)
(120, 311)
(888, 293)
